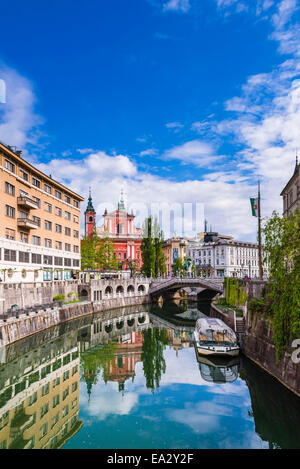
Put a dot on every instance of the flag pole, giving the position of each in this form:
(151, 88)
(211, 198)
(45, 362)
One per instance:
(259, 236)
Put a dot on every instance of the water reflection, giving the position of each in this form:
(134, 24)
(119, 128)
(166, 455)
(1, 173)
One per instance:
(218, 369)
(132, 377)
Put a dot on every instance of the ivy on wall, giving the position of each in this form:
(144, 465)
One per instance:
(235, 293)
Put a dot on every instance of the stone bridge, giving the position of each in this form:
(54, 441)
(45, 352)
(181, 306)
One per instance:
(170, 285)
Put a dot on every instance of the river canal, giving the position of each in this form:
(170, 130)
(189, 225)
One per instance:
(130, 378)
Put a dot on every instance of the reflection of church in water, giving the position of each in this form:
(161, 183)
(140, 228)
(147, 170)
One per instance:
(127, 353)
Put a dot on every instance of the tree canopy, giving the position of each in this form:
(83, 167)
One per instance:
(282, 251)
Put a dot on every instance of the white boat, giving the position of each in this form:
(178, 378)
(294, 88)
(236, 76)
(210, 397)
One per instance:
(214, 337)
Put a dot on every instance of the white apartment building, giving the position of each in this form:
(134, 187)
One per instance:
(223, 256)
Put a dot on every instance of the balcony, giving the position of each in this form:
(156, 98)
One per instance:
(27, 223)
(27, 202)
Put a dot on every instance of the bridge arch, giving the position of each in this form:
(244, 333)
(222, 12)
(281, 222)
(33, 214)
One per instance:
(130, 290)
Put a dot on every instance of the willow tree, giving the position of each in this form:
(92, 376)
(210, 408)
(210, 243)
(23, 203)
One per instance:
(160, 258)
(282, 251)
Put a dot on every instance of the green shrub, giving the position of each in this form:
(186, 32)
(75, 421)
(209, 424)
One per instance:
(59, 297)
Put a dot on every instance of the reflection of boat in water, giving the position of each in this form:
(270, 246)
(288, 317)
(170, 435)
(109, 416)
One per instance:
(216, 369)
(214, 337)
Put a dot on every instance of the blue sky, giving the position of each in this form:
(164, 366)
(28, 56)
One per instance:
(173, 100)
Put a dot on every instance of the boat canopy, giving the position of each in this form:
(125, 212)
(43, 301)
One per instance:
(213, 331)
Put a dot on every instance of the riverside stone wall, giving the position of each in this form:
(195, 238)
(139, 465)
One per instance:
(15, 329)
(259, 347)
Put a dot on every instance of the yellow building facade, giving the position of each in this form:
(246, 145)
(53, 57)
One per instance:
(39, 223)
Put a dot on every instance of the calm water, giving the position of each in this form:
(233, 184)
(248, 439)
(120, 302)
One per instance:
(130, 378)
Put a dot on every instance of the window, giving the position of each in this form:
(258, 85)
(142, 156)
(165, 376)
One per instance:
(75, 219)
(24, 174)
(37, 220)
(48, 207)
(45, 389)
(36, 258)
(76, 263)
(37, 201)
(47, 189)
(48, 225)
(32, 399)
(24, 238)
(55, 420)
(74, 370)
(67, 216)
(36, 240)
(67, 199)
(44, 409)
(58, 245)
(76, 249)
(10, 166)
(10, 255)
(10, 234)
(76, 234)
(58, 261)
(66, 375)
(48, 260)
(23, 214)
(67, 231)
(43, 430)
(57, 194)
(67, 247)
(10, 211)
(75, 203)
(56, 382)
(9, 188)
(55, 401)
(65, 411)
(23, 256)
(74, 386)
(58, 228)
(58, 211)
(65, 393)
(36, 182)
(68, 262)
(48, 243)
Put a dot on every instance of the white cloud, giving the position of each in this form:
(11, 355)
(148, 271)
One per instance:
(106, 401)
(196, 152)
(176, 126)
(149, 152)
(177, 5)
(19, 124)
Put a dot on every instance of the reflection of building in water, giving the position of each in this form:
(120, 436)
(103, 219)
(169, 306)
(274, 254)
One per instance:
(218, 369)
(178, 339)
(103, 329)
(127, 353)
(39, 397)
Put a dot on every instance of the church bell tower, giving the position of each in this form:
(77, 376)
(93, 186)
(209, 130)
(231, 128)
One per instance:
(89, 217)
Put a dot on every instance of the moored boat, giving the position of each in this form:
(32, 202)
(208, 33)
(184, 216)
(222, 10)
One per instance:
(214, 337)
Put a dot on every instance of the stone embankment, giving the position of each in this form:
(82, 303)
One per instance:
(14, 329)
(256, 341)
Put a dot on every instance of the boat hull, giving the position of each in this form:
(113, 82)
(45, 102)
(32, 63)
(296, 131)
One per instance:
(230, 353)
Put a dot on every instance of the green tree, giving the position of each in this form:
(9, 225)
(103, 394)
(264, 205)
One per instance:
(93, 361)
(105, 254)
(132, 265)
(282, 251)
(89, 251)
(160, 258)
(178, 268)
(148, 249)
(154, 365)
